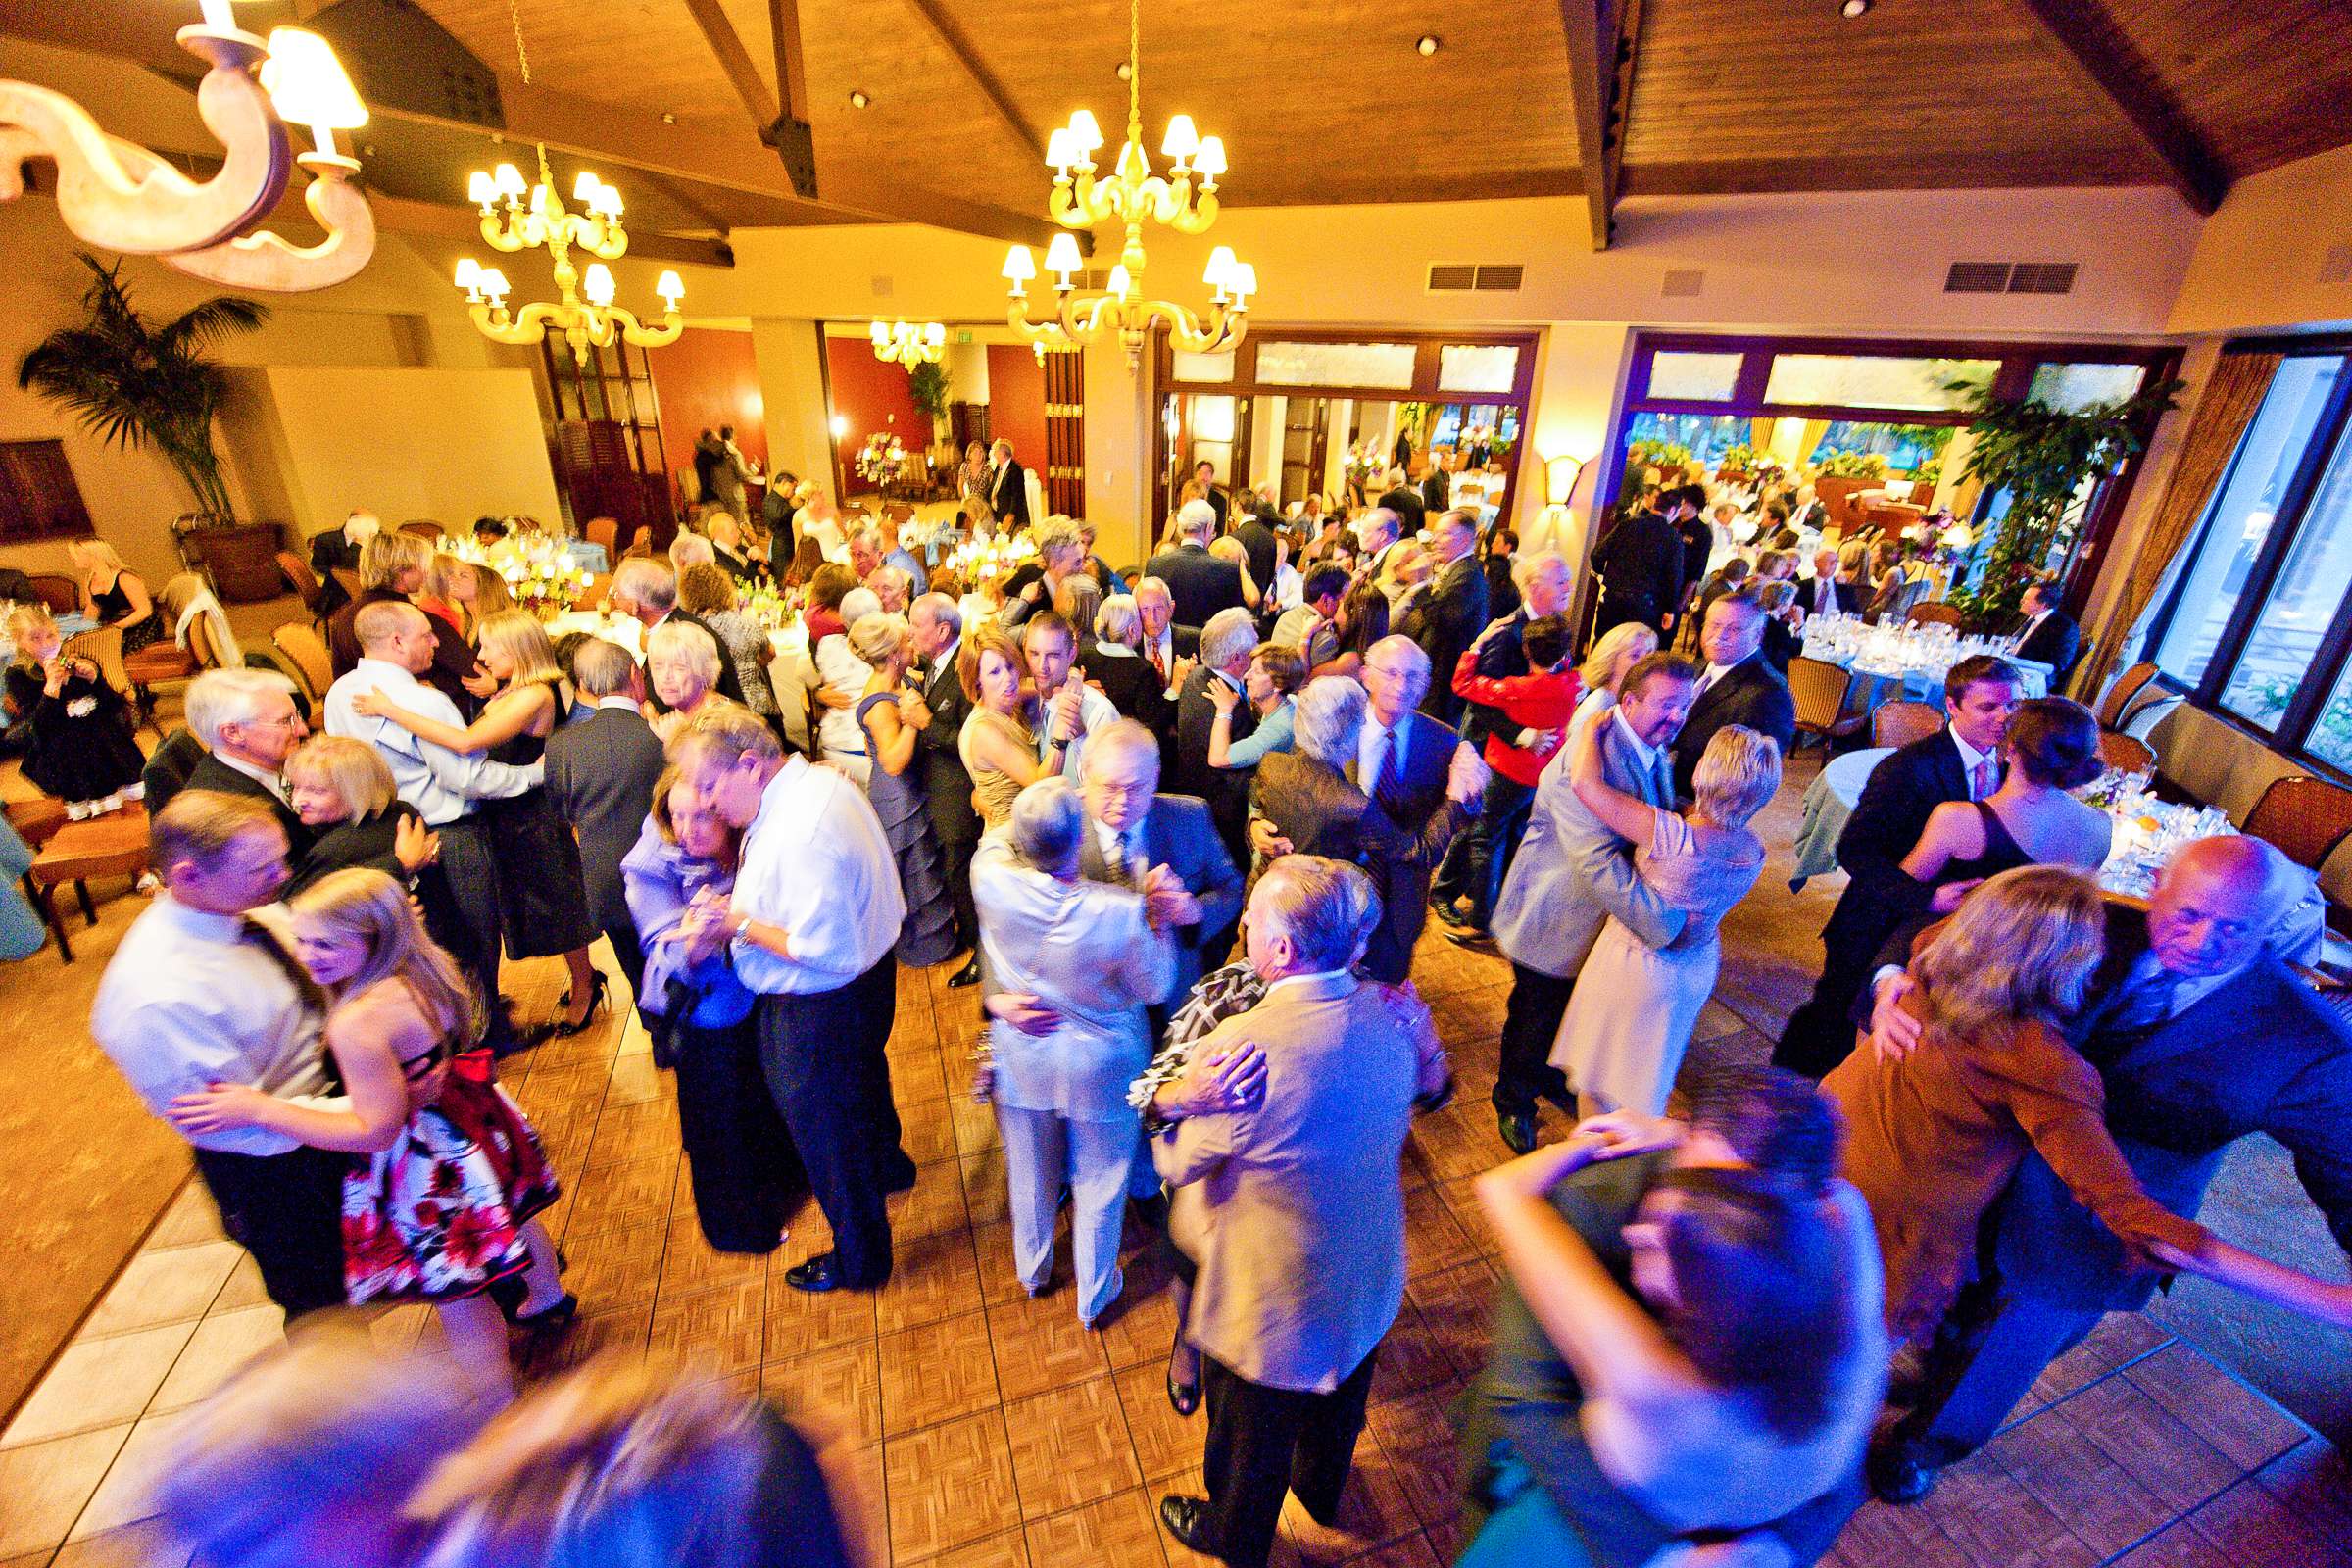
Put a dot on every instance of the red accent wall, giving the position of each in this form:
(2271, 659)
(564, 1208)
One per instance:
(708, 378)
(873, 395)
(1016, 403)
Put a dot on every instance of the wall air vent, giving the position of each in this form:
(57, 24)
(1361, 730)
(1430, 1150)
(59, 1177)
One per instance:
(1977, 277)
(1449, 277)
(1683, 283)
(2042, 278)
(1499, 279)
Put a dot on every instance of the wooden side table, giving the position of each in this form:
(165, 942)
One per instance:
(114, 845)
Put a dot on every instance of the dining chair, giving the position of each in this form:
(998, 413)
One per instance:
(2126, 753)
(2118, 700)
(2305, 818)
(1820, 688)
(1902, 721)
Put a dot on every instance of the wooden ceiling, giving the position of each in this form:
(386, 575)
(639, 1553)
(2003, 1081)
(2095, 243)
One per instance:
(1329, 101)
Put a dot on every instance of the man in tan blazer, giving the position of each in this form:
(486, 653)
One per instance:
(1293, 1213)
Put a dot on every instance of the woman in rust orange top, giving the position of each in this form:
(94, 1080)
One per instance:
(1932, 1138)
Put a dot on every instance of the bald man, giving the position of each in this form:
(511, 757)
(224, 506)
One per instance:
(2202, 1036)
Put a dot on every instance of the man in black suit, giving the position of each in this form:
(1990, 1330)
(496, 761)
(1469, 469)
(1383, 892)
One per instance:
(1449, 617)
(599, 776)
(2202, 1035)
(936, 624)
(2049, 635)
(1205, 475)
(1686, 509)
(1640, 567)
(1825, 593)
(1377, 532)
(1165, 645)
(1436, 490)
(1404, 501)
(648, 591)
(1007, 489)
(250, 724)
(1226, 643)
(1961, 762)
(1200, 583)
(1255, 536)
(339, 547)
(1737, 686)
(1413, 767)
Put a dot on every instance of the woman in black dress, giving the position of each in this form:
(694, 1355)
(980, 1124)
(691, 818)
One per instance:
(79, 728)
(113, 594)
(342, 790)
(543, 903)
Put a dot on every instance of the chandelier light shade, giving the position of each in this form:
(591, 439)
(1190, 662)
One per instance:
(518, 217)
(119, 196)
(1184, 200)
(908, 344)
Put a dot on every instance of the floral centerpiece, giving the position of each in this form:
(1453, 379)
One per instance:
(773, 608)
(537, 571)
(984, 561)
(881, 460)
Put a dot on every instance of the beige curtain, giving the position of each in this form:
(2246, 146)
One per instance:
(2236, 391)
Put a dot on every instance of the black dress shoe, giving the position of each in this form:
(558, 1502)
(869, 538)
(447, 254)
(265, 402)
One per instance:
(1898, 1473)
(550, 1317)
(815, 1275)
(1518, 1129)
(1477, 938)
(1184, 1518)
(969, 975)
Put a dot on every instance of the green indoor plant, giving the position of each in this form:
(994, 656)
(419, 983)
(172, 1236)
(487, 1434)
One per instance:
(927, 385)
(2041, 456)
(137, 383)
(1851, 465)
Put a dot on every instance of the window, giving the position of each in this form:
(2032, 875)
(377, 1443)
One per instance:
(1693, 377)
(1477, 368)
(1868, 381)
(38, 498)
(1381, 365)
(2258, 622)
(2243, 516)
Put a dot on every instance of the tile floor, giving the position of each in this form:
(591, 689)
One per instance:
(993, 1431)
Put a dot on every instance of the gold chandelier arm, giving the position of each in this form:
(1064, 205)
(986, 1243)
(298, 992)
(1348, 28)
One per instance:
(494, 323)
(595, 236)
(117, 195)
(1050, 334)
(1192, 337)
(1196, 216)
(666, 331)
(507, 232)
(265, 262)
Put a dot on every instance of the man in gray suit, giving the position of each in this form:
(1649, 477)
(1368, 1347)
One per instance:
(600, 776)
(1572, 873)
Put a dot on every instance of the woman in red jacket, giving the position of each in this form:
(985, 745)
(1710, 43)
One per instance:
(1536, 708)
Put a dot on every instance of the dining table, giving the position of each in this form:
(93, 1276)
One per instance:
(1907, 662)
(2148, 831)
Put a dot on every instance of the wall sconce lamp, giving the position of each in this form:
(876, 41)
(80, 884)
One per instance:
(1560, 475)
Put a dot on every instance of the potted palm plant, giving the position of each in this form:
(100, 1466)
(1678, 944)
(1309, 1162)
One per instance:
(138, 383)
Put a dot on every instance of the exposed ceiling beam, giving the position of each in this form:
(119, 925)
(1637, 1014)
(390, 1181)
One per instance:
(615, 134)
(945, 28)
(678, 191)
(1593, 27)
(2097, 53)
(784, 39)
(735, 60)
(399, 215)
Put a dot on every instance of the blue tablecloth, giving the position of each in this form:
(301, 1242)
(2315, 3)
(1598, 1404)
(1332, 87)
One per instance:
(587, 556)
(1828, 800)
(21, 932)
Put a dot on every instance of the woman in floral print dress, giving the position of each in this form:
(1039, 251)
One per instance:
(441, 1203)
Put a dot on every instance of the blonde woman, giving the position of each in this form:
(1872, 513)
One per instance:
(893, 715)
(491, 595)
(1932, 1138)
(449, 593)
(1629, 1017)
(113, 594)
(82, 748)
(343, 793)
(1602, 673)
(443, 1205)
(998, 740)
(543, 903)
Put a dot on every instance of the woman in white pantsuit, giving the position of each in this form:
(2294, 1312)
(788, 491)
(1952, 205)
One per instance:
(1081, 959)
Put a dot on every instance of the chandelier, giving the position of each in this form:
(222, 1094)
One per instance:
(119, 196)
(907, 344)
(1186, 200)
(514, 221)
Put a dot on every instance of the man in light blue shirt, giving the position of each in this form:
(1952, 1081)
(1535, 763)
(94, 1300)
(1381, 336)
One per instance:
(396, 646)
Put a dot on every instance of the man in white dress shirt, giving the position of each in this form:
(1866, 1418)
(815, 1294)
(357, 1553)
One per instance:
(814, 913)
(1074, 711)
(200, 992)
(396, 646)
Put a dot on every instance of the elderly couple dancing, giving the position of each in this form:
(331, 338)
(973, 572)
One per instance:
(1610, 912)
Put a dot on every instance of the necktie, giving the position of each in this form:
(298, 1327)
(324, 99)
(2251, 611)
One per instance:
(255, 934)
(1986, 779)
(1706, 678)
(2138, 1006)
(1384, 766)
(1159, 664)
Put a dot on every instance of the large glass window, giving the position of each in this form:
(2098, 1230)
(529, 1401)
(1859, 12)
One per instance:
(2241, 517)
(2259, 622)
(1874, 381)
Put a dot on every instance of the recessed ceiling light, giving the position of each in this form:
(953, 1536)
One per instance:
(1125, 71)
(668, 118)
(1427, 43)
(1853, 7)
(857, 99)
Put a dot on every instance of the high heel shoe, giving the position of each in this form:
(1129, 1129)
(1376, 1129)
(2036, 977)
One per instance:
(1183, 1397)
(597, 989)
